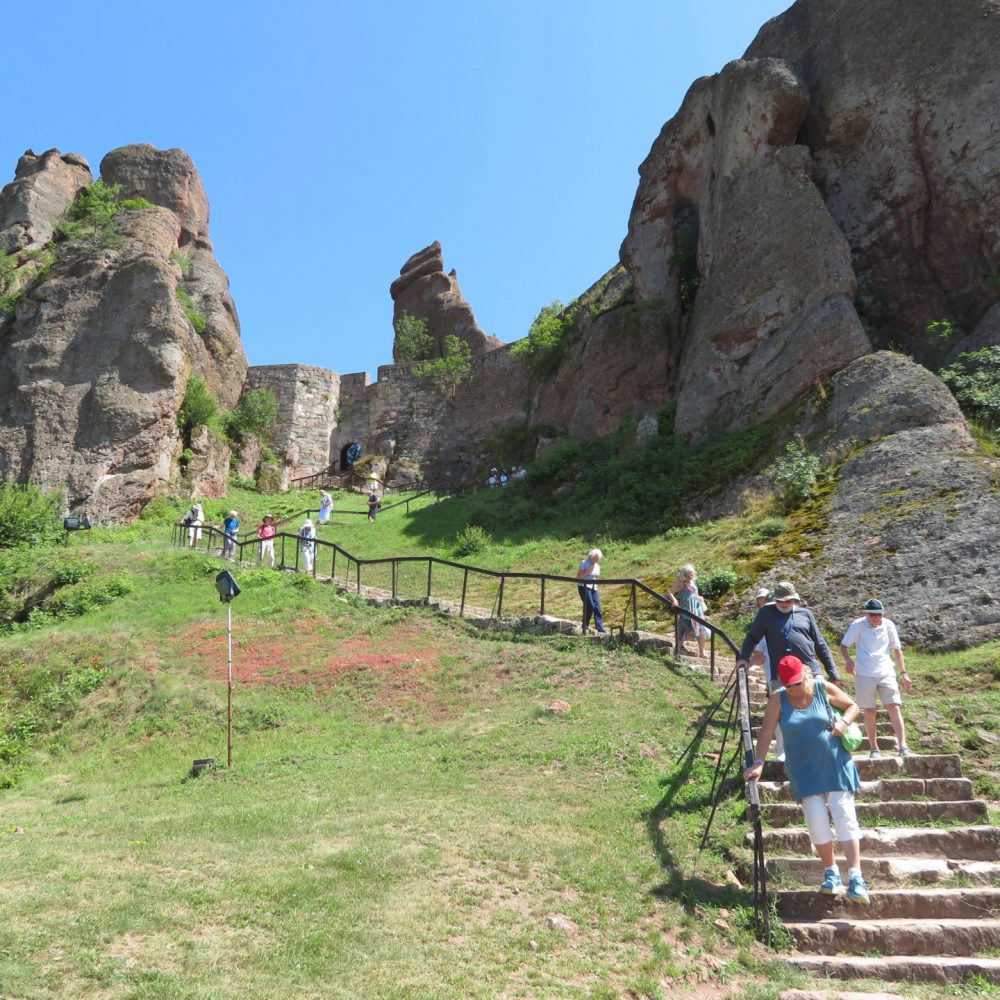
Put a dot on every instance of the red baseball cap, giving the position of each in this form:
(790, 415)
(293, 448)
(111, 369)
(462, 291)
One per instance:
(790, 670)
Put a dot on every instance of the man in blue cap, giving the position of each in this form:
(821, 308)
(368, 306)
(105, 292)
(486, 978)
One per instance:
(876, 644)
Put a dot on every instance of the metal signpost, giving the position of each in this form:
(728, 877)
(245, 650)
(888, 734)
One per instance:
(227, 587)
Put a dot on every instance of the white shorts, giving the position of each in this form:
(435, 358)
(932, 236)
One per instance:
(845, 817)
(885, 686)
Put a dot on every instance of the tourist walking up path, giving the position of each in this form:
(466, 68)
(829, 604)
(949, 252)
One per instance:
(588, 572)
(266, 533)
(307, 543)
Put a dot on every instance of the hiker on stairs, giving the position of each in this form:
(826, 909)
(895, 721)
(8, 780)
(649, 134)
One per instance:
(876, 643)
(822, 774)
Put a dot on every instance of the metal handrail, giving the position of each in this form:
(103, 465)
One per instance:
(636, 586)
(735, 691)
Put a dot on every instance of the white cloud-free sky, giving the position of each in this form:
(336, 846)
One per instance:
(334, 140)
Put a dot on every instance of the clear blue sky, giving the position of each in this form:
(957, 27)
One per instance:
(334, 140)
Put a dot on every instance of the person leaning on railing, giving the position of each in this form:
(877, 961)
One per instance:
(822, 774)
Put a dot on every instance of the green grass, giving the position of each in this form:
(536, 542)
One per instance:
(404, 814)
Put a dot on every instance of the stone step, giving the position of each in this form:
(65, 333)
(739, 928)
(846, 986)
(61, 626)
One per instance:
(960, 937)
(965, 843)
(914, 904)
(888, 871)
(781, 814)
(945, 765)
(886, 790)
(896, 969)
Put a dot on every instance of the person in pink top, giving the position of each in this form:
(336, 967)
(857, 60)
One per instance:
(266, 533)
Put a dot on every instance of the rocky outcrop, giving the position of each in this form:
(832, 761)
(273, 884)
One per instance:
(726, 205)
(423, 290)
(43, 188)
(906, 150)
(96, 354)
(912, 518)
(168, 178)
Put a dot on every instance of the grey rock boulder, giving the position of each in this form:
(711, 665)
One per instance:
(912, 519)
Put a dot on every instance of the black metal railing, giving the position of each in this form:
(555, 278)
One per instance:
(354, 570)
(735, 701)
(494, 590)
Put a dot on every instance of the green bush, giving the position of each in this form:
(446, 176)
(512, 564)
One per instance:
(89, 218)
(256, 413)
(194, 317)
(544, 345)
(28, 517)
(413, 342)
(769, 528)
(471, 539)
(796, 474)
(718, 583)
(197, 408)
(447, 373)
(72, 571)
(974, 380)
(78, 600)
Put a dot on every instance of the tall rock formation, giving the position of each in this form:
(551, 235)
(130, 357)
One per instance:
(423, 290)
(726, 205)
(902, 129)
(96, 351)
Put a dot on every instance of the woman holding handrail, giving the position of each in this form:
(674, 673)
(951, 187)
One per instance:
(822, 774)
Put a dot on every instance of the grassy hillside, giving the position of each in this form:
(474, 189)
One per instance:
(405, 817)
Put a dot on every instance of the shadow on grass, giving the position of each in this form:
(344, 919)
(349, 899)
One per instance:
(704, 760)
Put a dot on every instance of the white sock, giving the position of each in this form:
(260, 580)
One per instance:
(851, 872)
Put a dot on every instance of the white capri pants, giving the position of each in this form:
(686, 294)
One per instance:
(841, 805)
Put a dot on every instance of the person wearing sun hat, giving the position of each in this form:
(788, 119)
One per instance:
(788, 628)
(307, 543)
(760, 658)
(822, 774)
(266, 533)
(876, 644)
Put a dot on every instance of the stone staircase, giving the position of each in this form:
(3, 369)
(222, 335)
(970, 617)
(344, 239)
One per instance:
(931, 861)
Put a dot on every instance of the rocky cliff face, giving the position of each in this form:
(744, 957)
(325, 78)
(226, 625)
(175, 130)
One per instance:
(819, 194)
(96, 352)
(902, 131)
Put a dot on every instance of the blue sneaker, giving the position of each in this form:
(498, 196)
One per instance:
(832, 885)
(857, 891)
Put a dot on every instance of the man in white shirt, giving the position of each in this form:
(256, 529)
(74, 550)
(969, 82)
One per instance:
(877, 644)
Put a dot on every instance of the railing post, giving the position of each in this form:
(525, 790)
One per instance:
(395, 567)
(542, 610)
(430, 567)
(465, 584)
(359, 577)
(711, 652)
(333, 564)
(282, 550)
(635, 609)
(500, 598)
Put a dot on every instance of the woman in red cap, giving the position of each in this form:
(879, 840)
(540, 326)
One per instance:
(821, 772)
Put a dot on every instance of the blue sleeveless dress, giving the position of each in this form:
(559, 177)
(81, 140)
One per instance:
(815, 761)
